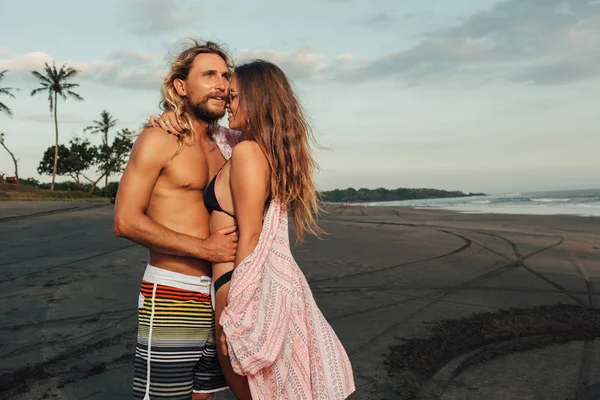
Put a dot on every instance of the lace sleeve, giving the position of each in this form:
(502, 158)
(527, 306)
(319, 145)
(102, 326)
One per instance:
(226, 139)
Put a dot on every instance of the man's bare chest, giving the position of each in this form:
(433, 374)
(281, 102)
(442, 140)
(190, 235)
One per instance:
(192, 169)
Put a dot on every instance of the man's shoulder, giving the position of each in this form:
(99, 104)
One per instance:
(155, 136)
(155, 142)
(156, 133)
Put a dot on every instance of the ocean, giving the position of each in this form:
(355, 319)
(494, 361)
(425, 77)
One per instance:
(585, 203)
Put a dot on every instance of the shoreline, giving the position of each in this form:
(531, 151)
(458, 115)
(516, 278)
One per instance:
(415, 210)
(524, 211)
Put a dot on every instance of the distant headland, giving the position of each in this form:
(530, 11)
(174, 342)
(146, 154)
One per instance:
(352, 195)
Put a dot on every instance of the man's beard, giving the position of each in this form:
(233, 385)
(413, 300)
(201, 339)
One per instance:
(200, 110)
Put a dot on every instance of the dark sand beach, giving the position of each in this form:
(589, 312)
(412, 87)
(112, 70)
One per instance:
(429, 304)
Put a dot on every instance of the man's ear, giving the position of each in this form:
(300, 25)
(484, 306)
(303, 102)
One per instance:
(180, 87)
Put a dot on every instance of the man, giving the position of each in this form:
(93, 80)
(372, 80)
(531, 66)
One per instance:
(160, 206)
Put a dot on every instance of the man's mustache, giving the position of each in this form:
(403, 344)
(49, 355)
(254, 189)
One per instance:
(217, 95)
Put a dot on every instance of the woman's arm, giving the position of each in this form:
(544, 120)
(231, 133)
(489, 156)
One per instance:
(249, 181)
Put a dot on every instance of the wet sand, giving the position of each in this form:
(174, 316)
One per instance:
(429, 304)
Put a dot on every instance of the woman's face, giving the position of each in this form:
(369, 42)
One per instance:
(237, 115)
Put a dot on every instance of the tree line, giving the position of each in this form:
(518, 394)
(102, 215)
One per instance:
(363, 195)
(79, 156)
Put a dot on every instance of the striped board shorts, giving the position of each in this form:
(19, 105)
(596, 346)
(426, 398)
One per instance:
(176, 353)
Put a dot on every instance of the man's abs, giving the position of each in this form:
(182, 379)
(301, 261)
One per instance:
(183, 265)
(181, 211)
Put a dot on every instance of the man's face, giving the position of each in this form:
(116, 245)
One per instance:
(207, 86)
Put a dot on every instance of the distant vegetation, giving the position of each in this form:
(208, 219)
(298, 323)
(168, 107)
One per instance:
(28, 190)
(352, 195)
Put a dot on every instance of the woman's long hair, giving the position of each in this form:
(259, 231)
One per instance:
(277, 123)
(180, 69)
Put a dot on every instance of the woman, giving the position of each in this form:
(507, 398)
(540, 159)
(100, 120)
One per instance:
(274, 333)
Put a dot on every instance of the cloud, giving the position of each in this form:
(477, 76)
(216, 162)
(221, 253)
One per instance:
(418, 15)
(156, 17)
(538, 42)
(381, 20)
(127, 68)
(131, 69)
(131, 57)
(141, 78)
(557, 73)
(306, 63)
(124, 74)
(25, 62)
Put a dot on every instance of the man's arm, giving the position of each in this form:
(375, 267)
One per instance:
(150, 154)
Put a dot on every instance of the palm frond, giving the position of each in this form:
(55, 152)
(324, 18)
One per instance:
(41, 77)
(69, 85)
(6, 91)
(38, 90)
(73, 94)
(107, 119)
(51, 71)
(69, 73)
(97, 127)
(6, 110)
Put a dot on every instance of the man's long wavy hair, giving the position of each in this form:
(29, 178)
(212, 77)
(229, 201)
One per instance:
(276, 121)
(180, 69)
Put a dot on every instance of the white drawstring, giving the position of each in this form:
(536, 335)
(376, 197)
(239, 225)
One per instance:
(147, 396)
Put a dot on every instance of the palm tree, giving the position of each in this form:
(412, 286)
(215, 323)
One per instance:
(55, 82)
(7, 91)
(15, 161)
(103, 126)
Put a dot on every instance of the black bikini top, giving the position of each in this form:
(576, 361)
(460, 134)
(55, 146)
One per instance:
(210, 197)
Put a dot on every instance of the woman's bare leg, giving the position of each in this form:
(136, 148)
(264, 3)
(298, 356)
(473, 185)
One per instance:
(237, 383)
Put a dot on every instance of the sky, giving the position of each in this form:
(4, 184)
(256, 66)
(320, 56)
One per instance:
(473, 95)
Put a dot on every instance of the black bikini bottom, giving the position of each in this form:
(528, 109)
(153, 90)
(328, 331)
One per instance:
(223, 279)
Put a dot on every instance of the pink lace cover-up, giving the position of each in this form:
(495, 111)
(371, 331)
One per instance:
(276, 334)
